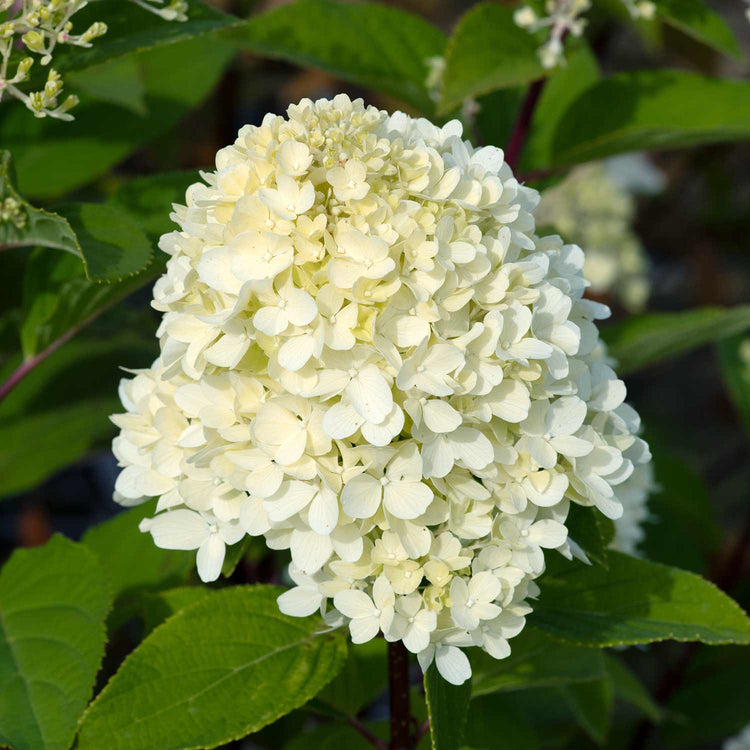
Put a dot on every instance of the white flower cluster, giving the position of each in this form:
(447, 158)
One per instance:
(595, 207)
(740, 741)
(566, 17)
(39, 26)
(370, 358)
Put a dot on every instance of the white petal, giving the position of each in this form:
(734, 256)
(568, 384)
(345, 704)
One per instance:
(565, 415)
(407, 500)
(210, 558)
(472, 447)
(440, 416)
(370, 394)
(341, 421)
(271, 320)
(548, 533)
(361, 496)
(310, 551)
(364, 629)
(179, 529)
(300, 601)
(300, 307)
(324, 511)
(452, 664)
(290, 498)
(354, 604)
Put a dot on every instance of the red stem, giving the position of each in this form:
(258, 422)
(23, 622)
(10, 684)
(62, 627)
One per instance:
(523, 123)
(398, 679)
(26, 367)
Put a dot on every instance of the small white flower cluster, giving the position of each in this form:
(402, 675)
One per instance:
(39, 26)
(595, 207)
(566, 17)
(740, 741)
(370, 358)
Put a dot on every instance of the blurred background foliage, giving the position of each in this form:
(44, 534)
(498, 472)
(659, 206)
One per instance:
(153, 116)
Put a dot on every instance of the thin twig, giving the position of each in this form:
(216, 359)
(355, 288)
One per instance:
(398, 680)
(367, 734)
(26, 367)
(523, 123)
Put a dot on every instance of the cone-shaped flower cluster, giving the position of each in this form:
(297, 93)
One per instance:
(370, 358)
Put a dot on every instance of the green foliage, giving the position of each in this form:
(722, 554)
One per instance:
(536, 660)
(651, 109)
(60, 410)
(362, 679)
(492, 719)
(560, 90)
(54, 157)
(591, 704)
(53, 601)
(644, 340)
(682, 528)
(629, 688)
(734, 358)
(155, 607)
(447, 709)
(132, 30)
(635, 601)
(217, 670)
(487, 51)
(28, 226)
(134, 564)
(112, 244)
(698, 20)
(711, 703)
(366, 43)
(591, 531)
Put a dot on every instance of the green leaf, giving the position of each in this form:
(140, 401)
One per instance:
(156, 607)
(372, 45)
(29, 226)
(131, 29)
(635, 601)
(628, 687)
(363, 678)
(711, 703)
(682, 528)
(563, 86)
(644, 340)
(696, 19)
(447, 709)
(591, 703)
(487, 51)
(734, 358)
(61, 409)
(53, 601)
(113, 245)
(116, 82)
(57, 297)
(591, 531)
(54, 157)
(651, 109)
(133, 562)
(491, 718)
(219, 669)
(149, 199)
(536, 660)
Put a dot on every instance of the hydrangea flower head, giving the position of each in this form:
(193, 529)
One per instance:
(370, 358)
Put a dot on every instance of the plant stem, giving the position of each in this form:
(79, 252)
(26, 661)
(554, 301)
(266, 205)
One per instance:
(367, 734)
(26, 367)
(398, 680)
(523, 123)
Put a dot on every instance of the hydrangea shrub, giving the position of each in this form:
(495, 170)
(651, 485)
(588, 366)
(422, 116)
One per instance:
(370, 358)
